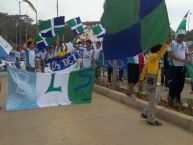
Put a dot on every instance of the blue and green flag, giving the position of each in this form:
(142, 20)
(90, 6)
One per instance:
(42, 42)
(133, 26)
(182, 25)
(52, 27)
(98, 31)
(76, 26)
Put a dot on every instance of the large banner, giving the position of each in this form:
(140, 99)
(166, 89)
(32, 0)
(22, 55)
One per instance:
(28, 90)
(64, 62)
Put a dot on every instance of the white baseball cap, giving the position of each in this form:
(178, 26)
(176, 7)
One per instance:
(181, 32)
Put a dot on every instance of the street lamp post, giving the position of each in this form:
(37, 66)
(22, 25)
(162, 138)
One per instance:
(20, 41)
(35, 10)
(16, 43)
(57, 38)
(36, 16)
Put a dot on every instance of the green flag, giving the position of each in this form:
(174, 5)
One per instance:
(182, 25)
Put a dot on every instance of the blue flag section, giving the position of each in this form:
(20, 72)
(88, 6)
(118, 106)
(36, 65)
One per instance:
(121, 63)
(64, 62)
(9, 58)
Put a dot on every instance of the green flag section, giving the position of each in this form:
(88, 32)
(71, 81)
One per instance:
(133, 26)
(119, 15)
(189, 72)
(52, 27)
(76, 26)
(29, 90)
(78, 81)
(182, 25)
(41, 42)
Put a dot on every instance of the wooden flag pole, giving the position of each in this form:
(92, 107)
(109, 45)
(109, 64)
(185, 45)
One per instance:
(114, 79)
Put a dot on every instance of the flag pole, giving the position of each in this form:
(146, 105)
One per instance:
(114, 78)
(57, 38)
(20, 39)
(57, 7)
(189, 22)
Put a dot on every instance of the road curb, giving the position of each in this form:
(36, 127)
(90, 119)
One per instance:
(179, 119)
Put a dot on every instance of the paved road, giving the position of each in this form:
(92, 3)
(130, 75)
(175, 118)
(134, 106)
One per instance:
(103, 122)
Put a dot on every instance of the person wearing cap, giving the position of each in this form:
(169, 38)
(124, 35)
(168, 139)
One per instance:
(178, 56)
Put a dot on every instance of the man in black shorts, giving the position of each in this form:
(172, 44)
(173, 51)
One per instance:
(133, 77)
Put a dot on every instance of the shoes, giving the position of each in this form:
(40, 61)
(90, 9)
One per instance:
(131, 96)
(143, 116)
(154, 123)
(121, 79)
(142, 93)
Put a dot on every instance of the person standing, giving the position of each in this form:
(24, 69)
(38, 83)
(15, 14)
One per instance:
(42, 56)
(88, 56)
(179, 56)
(30, 57)
(191, 53)
(62, 51)
(22, 54)
(17, 63)
(150, 74)
(135, 67)
(96, 53)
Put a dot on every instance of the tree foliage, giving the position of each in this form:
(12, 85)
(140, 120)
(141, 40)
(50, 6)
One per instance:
(9, 27)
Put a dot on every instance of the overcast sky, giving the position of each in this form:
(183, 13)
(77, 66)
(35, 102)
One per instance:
(88, 10)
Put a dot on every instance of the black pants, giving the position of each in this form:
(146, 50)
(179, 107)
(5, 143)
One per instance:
(110, 70)
(121, 72)
(164, 76)
(96, 72)
(176, 85)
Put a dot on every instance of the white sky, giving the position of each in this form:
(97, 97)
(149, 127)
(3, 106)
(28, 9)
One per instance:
(88, 10)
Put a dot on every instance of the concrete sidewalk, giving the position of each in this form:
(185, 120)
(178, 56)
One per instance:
(163, 90)
(103, 122)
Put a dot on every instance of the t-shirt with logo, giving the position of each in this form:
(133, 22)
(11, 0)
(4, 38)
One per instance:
(179, 50)
(87, 58)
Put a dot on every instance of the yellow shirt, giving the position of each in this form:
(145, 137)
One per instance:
(152, 63)
(61, 53)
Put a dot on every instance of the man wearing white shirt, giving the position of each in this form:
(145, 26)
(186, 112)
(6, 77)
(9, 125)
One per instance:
(179, 56)
(30, 57)
(42, 55)
(87, 59)
(97, 52)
